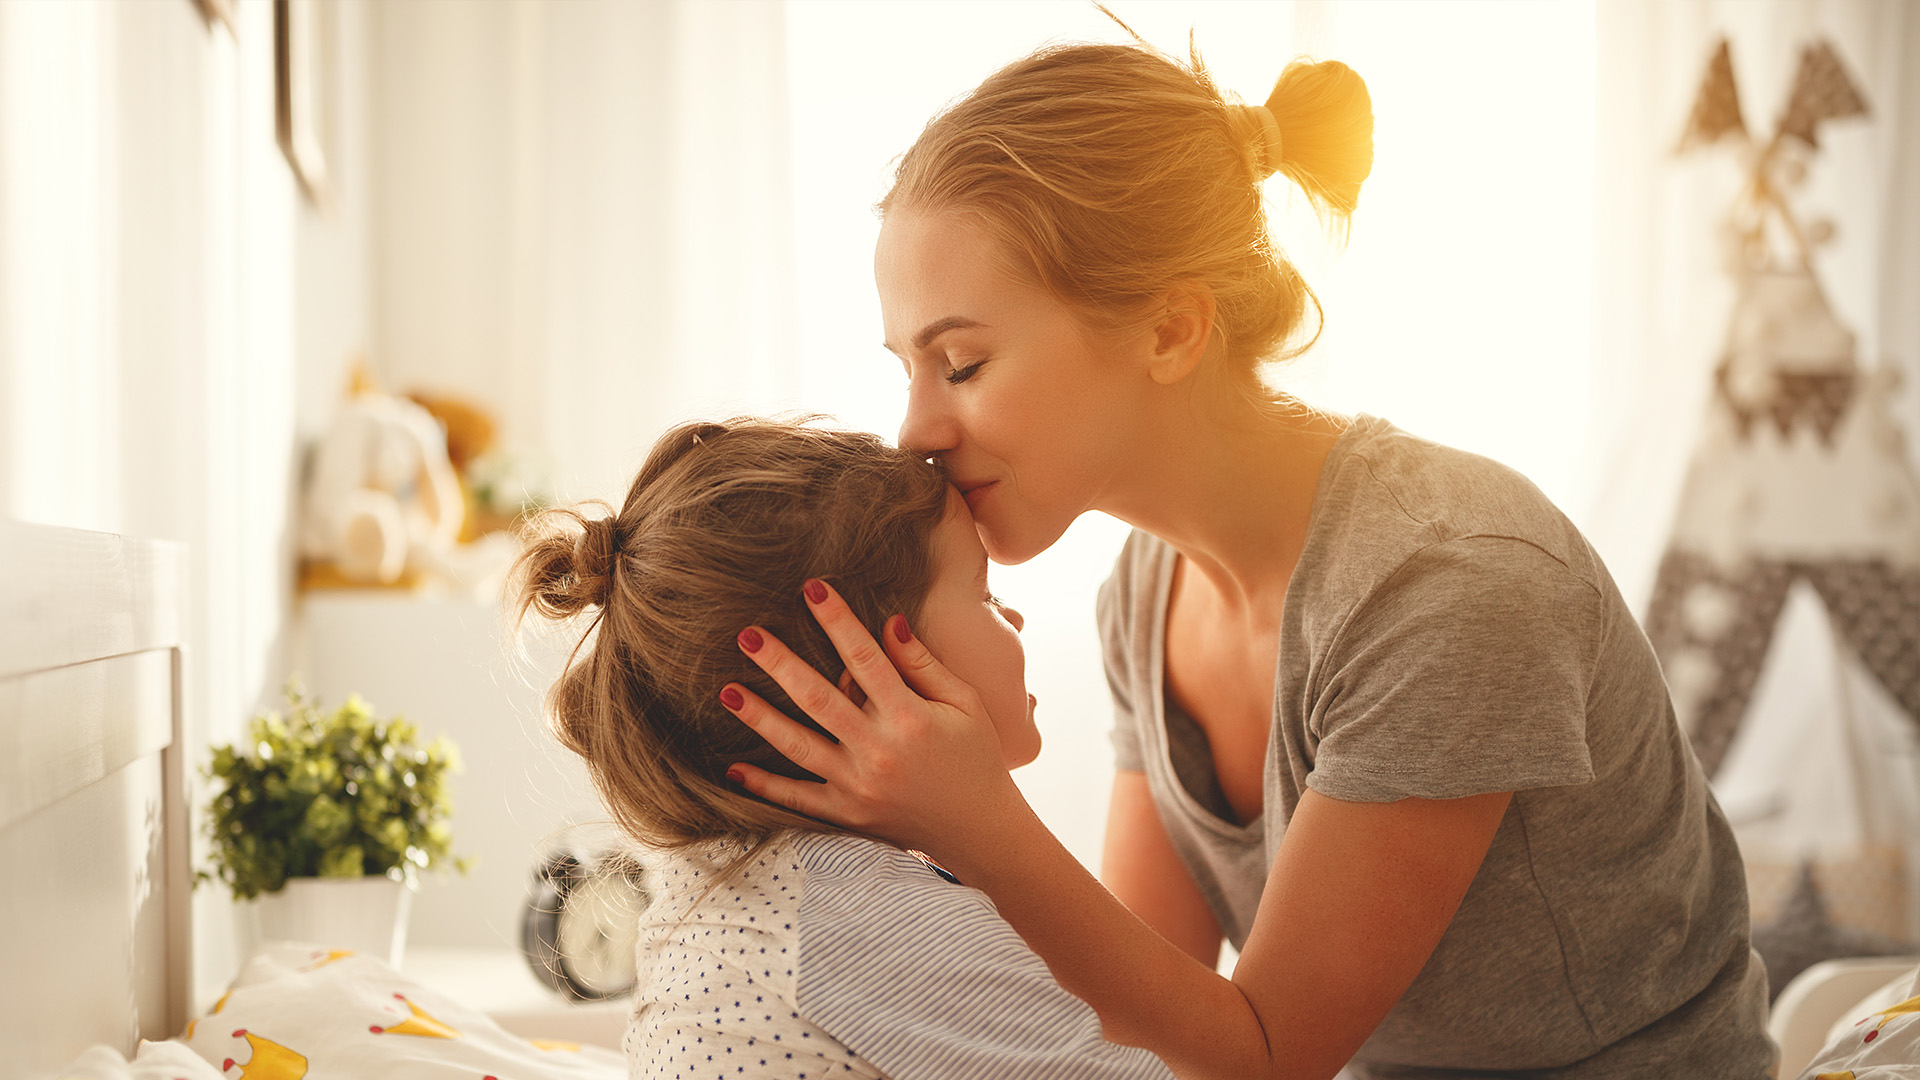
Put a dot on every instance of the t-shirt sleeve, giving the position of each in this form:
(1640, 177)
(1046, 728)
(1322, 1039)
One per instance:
(1465, 672)
(1113, 617)
(924, 979)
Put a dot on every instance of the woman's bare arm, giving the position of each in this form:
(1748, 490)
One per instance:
(1140, 867)
(1358, 898)
(1359, 894)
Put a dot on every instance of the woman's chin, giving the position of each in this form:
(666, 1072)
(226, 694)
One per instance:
(1013, 546)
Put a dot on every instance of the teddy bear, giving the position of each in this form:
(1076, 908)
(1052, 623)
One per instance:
(382, 498)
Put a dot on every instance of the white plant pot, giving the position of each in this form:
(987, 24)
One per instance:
(365, 914)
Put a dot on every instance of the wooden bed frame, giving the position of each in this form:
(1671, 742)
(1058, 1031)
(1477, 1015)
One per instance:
(95, 873)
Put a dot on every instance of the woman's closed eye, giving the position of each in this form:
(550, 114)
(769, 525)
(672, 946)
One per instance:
(958, 375)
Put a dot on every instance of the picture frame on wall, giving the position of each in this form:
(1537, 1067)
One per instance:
(300, 46)
(216, 12)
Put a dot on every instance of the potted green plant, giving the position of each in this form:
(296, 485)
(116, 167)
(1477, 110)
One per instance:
(326, 819)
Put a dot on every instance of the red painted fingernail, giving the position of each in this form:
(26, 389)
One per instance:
(736, 776)
(900, 631)
(731, 698)
(816, 592)
(751, 640)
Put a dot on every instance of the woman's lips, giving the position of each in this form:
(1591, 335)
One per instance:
(974, 494)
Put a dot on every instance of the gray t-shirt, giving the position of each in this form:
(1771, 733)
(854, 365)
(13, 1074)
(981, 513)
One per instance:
(1447, 633)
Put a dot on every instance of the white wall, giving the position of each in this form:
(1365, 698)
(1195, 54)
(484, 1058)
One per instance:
(574, 215)
(149, 364)
(581, 218)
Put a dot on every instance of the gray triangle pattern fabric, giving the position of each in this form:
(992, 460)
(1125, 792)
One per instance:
(1759, 590)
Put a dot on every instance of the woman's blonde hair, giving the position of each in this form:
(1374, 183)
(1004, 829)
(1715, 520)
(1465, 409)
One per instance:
(1115, 173)
(720, 530)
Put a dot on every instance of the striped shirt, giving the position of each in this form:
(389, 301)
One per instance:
(838, 956)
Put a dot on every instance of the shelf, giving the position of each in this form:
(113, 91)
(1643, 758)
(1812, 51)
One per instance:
(499, 983)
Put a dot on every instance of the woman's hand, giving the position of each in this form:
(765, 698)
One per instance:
(918, 761)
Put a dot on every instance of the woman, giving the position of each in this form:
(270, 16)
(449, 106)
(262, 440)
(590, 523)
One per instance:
(1383, 720)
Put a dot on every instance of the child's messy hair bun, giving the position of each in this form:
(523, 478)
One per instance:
(569, 561)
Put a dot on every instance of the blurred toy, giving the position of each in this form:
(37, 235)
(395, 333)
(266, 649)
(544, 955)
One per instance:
(499, 483)
(383, 502)
(470, 428)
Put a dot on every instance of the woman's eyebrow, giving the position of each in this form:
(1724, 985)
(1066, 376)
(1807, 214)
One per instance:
(934, 329)
(940, 326)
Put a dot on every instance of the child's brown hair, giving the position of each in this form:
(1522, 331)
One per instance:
(720, 530)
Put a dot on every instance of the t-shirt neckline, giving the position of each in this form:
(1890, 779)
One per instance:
(1358, 430)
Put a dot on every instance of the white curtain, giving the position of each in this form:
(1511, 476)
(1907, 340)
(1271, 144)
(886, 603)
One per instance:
(582, 218)
(1825, 762)
(147, 234)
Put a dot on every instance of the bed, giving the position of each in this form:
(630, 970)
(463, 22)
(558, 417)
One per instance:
(93, 826)
(96, 885)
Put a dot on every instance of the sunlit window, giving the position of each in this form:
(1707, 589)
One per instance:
(1458, 310)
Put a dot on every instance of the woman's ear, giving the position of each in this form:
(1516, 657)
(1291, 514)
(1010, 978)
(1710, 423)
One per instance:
(1183, 334)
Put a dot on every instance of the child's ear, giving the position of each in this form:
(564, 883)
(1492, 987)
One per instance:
(1180, 339)
(852, 690)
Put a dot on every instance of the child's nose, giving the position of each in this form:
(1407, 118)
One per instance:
(1018, 620)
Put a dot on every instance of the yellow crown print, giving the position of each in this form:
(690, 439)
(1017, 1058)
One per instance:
(418, 1024)
(270, 1061)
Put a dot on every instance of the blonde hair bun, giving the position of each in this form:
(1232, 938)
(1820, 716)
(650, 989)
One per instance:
(1109, 174)
(1324, 117)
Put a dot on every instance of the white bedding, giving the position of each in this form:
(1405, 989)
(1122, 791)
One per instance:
(299, 1011)
(1878, 1039)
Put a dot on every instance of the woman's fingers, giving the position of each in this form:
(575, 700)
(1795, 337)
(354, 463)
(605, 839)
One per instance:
(794, 740)
(810, 690)
(916, 664)
(800, 796)
(869, 663)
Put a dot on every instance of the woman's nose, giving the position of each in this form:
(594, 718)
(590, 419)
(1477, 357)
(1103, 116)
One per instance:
(929, 427)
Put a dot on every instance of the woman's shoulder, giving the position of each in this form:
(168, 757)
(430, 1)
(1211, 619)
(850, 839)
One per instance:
(1388, 497)
(1433, 484)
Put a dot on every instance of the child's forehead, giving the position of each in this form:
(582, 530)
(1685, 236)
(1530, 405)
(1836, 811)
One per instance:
(956, 542)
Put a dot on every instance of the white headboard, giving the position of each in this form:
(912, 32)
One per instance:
(95, 876)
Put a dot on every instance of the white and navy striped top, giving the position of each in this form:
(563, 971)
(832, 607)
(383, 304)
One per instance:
(832, 956)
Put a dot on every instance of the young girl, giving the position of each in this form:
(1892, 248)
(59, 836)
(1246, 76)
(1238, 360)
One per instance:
(1382, 719)
(778, 946)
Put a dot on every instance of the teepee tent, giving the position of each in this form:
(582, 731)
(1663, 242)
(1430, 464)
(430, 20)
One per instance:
(1798, 539)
